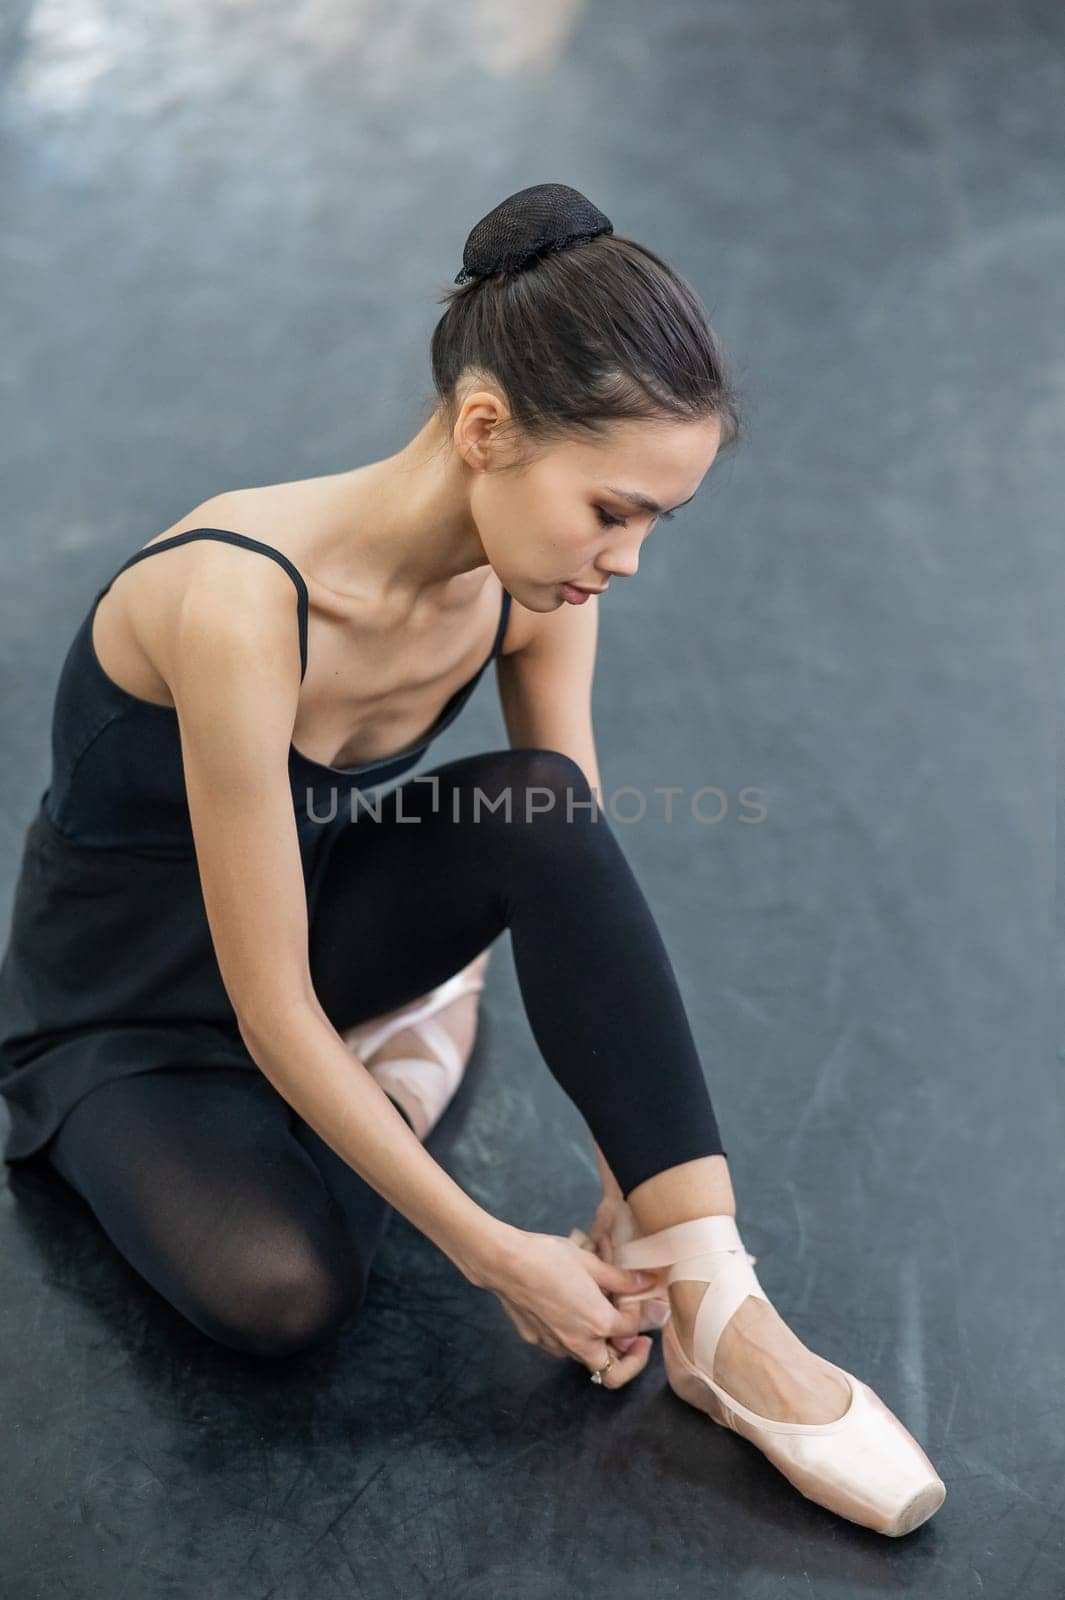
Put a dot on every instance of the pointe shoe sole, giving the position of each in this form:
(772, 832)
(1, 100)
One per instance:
(691, 1385)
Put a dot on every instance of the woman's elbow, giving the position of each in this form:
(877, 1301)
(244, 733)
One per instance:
(266, 1020)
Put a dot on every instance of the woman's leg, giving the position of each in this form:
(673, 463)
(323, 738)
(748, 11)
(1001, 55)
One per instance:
(413, 896)
(226, 1202)
(758, 1358)
(410, 898)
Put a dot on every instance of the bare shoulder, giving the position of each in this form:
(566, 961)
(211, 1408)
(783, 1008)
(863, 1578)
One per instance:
(229, 511)
(208, 561)
(138, 624)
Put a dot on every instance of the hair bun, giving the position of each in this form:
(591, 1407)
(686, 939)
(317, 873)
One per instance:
(537, 221)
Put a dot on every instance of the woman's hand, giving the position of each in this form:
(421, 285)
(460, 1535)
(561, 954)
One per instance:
(556, 1294)
(611, 1207)
(614, 1215)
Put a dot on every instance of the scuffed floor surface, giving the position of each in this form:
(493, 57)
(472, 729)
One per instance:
(224, 226)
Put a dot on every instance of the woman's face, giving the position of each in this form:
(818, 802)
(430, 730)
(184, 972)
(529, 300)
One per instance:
(565, 518)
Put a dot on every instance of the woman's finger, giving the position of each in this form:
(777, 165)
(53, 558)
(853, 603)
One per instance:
(604, 1247)
(628, 1320)
(627, 1283)
(624, 1367)
(656, 1313)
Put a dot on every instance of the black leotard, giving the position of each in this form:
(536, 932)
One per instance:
(110, 967)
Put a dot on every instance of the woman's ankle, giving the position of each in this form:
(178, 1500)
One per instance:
(700, 1188)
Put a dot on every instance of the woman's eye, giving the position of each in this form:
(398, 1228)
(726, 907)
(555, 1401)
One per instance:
(607, 521)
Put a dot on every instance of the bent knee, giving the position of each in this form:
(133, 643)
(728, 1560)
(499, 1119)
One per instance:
(553, 768)
(279, 1312)
(534, 785)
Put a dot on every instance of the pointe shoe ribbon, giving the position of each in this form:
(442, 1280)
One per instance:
(708, 1249)
(864, 1465)
(432, 1082)
(622, 1230)
(367, 1038)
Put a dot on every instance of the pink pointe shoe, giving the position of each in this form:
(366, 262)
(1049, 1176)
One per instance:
(431, 1082)
(864, 1466)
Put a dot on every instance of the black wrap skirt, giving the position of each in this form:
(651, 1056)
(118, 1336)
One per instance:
(110, 970)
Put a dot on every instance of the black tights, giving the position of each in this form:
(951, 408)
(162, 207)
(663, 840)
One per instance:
(231, 1205)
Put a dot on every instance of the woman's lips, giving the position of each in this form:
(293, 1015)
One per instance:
(576, 596)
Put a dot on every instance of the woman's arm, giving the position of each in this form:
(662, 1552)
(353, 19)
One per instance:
(545, 688)
(306, 1061)
(545, 685)
(231, 661)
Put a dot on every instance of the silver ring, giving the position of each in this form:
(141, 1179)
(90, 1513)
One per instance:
(597, 1375)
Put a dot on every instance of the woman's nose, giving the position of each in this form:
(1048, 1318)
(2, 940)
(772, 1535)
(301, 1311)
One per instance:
(620, 565)
(623, 560)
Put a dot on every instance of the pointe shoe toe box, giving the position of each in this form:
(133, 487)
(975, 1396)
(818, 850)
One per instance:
(899, 1484)
(864, 1465)
(867, 1467)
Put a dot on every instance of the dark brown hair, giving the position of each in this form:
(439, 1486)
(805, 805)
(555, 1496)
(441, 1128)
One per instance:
(599, 333)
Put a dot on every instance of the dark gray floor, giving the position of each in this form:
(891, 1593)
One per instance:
(223, 228)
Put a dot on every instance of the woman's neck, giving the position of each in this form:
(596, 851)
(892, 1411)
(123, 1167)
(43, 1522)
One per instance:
(403, 524)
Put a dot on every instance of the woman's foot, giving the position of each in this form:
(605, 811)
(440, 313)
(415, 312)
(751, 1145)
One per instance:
(415, 1065)
(757, 1356)
(762, 1362)
(741, 1365)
